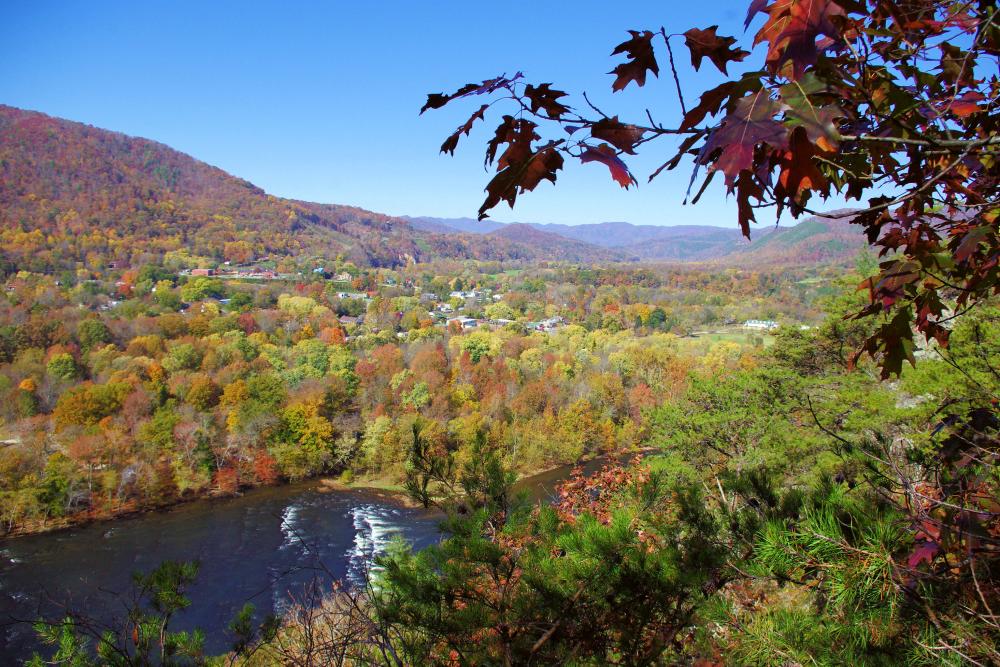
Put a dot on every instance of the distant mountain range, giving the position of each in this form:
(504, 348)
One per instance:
(814, 239)
(619, 235)
(72, 195)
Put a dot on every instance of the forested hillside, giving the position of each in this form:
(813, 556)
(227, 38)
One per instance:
(74, 196)
(812, 241)
(553, 245)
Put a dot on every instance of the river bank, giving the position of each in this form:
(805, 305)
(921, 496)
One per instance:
(533, 479)
(132, 509)
(266, 546)
(383, 487)
(380, 487)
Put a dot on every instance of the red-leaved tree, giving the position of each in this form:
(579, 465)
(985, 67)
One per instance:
(892, 103)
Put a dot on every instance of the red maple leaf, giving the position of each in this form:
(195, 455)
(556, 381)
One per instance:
(522, 175)
(518, 134)
(791, 31)
(438, 100)
(451, 143)
(707, 44)
(746, 187)
(799, 171)
(606, 155)
(620, 135)
(966, 105)
(543, 97)
(751, 123)
(639, 51)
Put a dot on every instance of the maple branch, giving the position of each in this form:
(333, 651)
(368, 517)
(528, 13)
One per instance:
(820, 158)
(943, 143)
(898, 200)
(673, 70)
(583, 122)
(591, 105)
(666, 130)
(949, 285)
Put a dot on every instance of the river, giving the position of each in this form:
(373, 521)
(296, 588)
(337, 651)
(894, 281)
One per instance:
(262, 547)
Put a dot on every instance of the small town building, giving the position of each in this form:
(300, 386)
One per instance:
(465, 322)
(764, 325)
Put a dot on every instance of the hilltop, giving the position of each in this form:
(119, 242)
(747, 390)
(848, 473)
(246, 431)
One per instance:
(552, 244)
(74, 195)
(814, 240)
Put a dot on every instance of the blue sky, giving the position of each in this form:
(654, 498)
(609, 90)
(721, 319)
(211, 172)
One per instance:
(319, 100)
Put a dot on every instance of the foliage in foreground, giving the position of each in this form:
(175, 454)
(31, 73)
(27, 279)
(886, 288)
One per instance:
(879, 100)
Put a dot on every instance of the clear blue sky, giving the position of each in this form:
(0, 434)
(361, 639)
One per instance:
(319, 100)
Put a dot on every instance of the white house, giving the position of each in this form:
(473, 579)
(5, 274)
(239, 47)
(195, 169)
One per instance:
(470, 294)
(765, 325)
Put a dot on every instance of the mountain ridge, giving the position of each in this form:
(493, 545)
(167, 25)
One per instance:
(817, 239)
(66, 180)
(73, 196)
